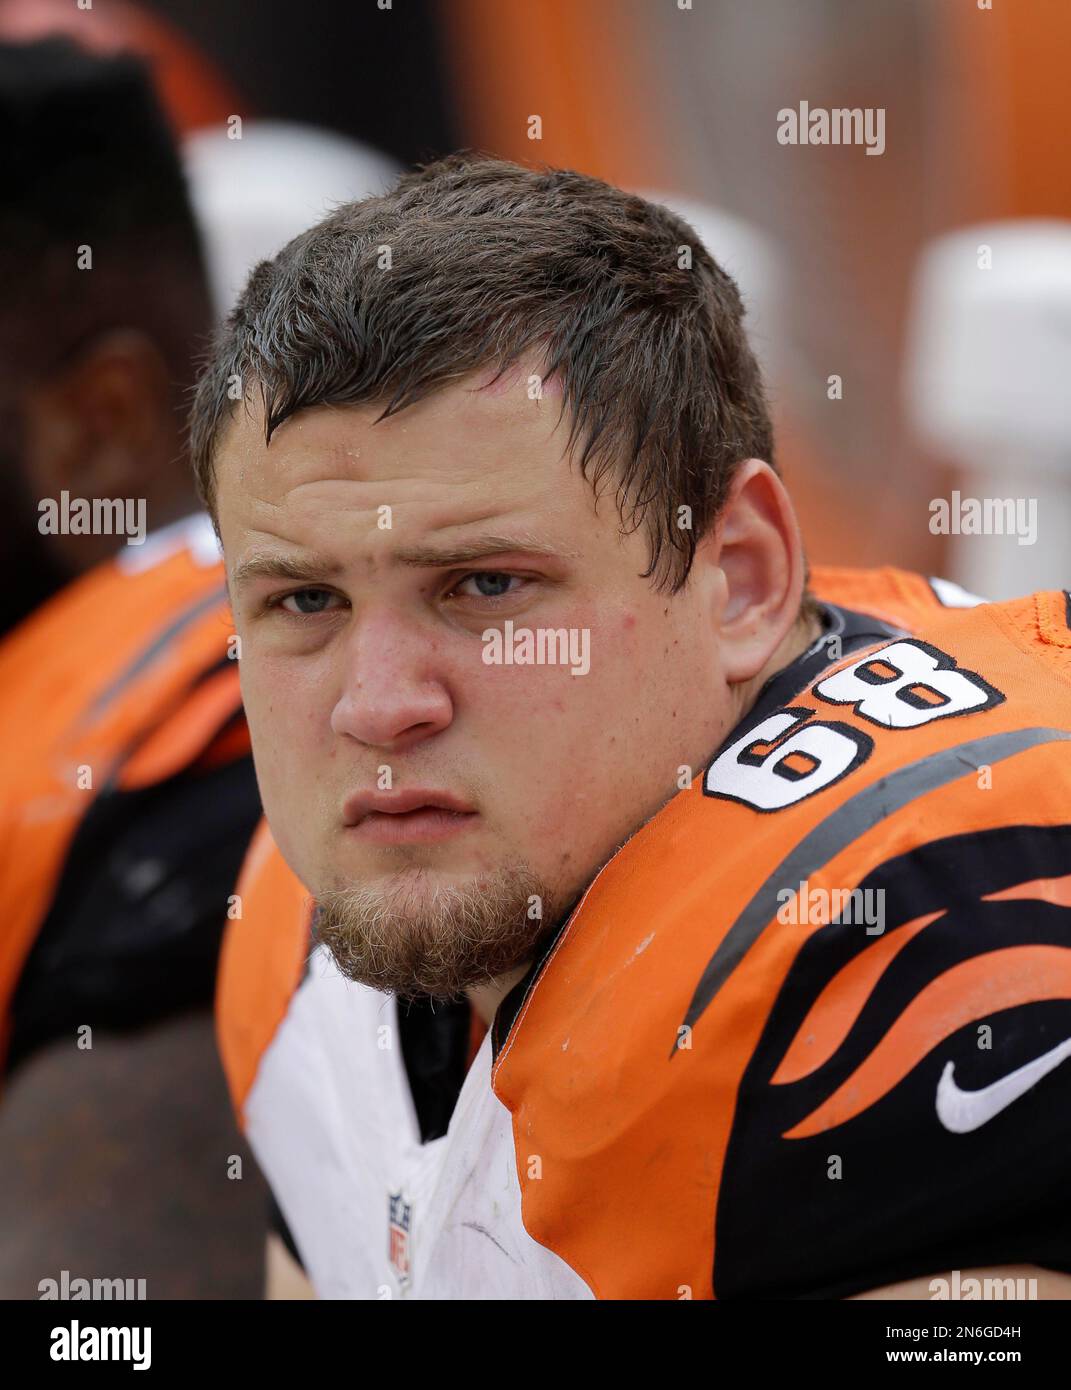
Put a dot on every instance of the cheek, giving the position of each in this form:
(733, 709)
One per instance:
(284, 703)
(546, 723)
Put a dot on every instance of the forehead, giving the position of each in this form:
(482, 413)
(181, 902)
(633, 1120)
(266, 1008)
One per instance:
(465, 437)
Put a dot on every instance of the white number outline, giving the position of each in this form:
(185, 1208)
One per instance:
(801, 714)
(943, 662)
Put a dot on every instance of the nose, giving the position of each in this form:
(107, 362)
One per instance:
(391, 699)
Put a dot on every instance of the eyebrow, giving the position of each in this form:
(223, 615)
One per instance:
(311, 567)
(267, 565)
(431, 556)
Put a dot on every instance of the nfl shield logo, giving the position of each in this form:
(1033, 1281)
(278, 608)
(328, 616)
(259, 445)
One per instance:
(400, 1216)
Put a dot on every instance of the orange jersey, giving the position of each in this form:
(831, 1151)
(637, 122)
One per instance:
(807, 1033)
(127, 790)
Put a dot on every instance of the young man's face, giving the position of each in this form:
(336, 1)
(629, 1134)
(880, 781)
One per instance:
(364, 673)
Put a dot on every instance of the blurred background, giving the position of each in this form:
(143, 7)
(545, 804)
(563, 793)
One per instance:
(684, 101)
(912, 308)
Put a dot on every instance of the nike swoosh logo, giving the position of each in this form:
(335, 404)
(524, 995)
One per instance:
(963, 1111)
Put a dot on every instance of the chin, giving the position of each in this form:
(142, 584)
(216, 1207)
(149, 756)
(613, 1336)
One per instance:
(394, 876)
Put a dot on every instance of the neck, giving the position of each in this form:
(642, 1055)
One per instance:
(486, 998)
(803, 633)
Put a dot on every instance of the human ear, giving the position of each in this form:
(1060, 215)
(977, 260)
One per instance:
(760, 555)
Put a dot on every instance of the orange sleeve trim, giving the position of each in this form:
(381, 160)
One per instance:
(262, 961)
(182, 737)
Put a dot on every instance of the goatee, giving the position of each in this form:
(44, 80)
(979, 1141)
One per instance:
(412, 939)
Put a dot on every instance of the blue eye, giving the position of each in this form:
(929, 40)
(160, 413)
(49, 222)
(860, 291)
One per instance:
(496, 584)
(308, 601)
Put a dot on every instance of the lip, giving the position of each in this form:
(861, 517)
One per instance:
(416, 815)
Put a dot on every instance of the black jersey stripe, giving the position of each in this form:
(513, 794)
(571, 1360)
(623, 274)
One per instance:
(857, 815)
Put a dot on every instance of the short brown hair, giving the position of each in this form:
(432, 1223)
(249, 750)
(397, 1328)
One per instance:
(489, 259)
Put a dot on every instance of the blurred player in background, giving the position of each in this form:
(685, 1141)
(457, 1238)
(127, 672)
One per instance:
(127, 793)
(759, 889)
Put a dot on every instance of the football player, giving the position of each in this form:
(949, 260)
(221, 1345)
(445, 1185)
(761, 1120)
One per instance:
(127, 792)
(636, 918)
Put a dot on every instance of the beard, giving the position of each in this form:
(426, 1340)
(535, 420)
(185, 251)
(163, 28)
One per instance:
(411, 940)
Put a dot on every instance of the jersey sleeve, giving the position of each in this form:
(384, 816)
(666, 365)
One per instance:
(908, 1109)
(133, 930)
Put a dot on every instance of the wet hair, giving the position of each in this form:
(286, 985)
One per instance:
(473, 262)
